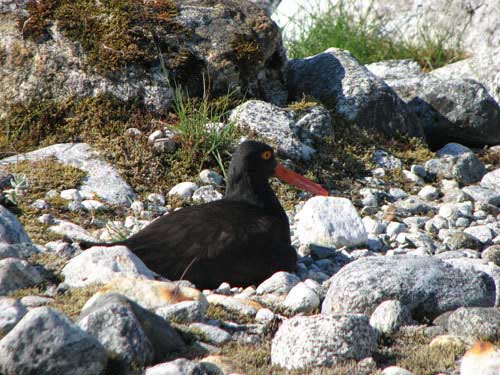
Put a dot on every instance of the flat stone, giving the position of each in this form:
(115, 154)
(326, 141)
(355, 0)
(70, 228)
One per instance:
(304, 342)
(483, 195)
(102, 264)
(491, 180)
(241, 306)
(58, 347)
(72, 231)
(102, 179)
(211, 334)
(481, 232)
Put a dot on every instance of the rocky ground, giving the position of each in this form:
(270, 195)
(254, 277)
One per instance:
(398, 270)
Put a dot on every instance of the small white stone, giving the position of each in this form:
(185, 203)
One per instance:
(378, 172)
(394, 370)
(51, 194)
(206, 194)
(156, 199)
(301, 299)
(155, 135)
(373, 226)
(412, 177)
(429, 193)
(184, 190)
(40, 204)
(280, 283)
(137, 207)
(71, 195)
(224, 288)
(75, 206)
(210, 177)
(133, 132)
(397, 193)
(46, 219)
(264, 316)
(394, 228)
(93, 205)
(389, 316)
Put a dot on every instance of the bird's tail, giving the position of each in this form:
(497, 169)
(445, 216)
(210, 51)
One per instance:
(84, 245)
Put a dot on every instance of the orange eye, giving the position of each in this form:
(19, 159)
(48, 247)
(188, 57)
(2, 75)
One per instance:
(266, 155)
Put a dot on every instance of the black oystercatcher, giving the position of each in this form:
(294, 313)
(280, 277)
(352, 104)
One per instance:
(242, 239)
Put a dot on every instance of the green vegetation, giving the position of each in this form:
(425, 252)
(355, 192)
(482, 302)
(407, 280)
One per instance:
(366, 39)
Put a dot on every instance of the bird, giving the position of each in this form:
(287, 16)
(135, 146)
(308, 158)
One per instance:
(241, 239)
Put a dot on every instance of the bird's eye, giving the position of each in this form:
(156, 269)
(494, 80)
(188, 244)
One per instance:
(266, 155)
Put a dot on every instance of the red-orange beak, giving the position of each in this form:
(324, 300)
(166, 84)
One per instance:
(295, 179)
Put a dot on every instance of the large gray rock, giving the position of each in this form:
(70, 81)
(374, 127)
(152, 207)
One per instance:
(483, 66)
(294, 133)
(102, 179)
(234, 44)
(341, 83)
(103, 264)
(455, 110)
(331, 222)
(11, 312)
(17, 274)
(483, 322)
(304, 342)
(130, 333)
(46, 342)
(483, 195)
(427, 286)
(11, 230)
(119, 331)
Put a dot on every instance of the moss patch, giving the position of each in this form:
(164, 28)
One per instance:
(410, 350)
(113, 33)
(219, 312)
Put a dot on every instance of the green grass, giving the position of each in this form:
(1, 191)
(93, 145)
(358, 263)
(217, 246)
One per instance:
(202, 139)
(366, 39)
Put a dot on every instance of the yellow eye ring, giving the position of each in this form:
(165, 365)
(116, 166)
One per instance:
(266, 155)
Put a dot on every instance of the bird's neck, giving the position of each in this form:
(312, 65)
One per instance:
(243, 188)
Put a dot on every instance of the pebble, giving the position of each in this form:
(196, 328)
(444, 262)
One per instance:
(184, 190)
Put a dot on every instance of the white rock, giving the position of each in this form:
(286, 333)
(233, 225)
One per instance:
(71, 195)
(206, 194)
(321, 340)
(394, 370)
(101, 264)
(210, 177)
(280, 283)
(156, 199)
(389, 316)
(93, 205)
(492, 180)
(137, 207)
(11, 312)
(11, 230)
(330, 221)
(301, 299)
(155, 135)
(184, 190)
(482, 232)
(429, 193)
(452, 211)
(264, 316)
(394, 228)
(17, 274)
(412, 177)
(183, 312)
(373, 226)
(398, 194)
(40, 204)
